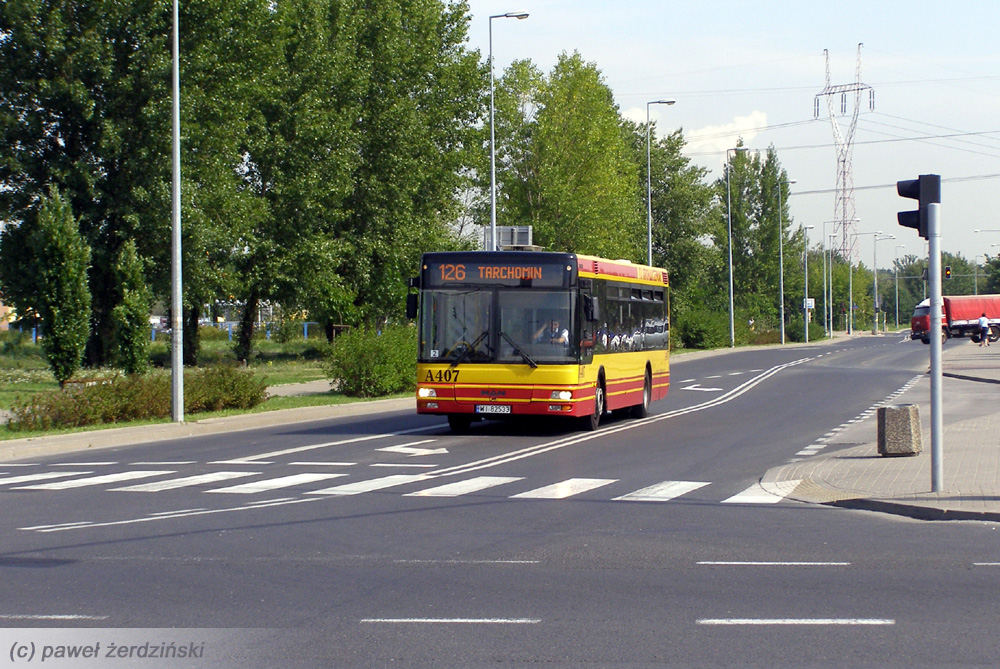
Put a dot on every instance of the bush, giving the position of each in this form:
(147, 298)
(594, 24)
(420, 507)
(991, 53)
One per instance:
(130, 398)
(701, 328)
(795, 333)
(366, 363)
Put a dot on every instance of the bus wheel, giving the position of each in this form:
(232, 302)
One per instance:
(994, 333)
(593, 420)
(642, 410)
(459, 422)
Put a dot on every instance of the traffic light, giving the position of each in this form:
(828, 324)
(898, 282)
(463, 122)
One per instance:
(947, 271)
(925, 190)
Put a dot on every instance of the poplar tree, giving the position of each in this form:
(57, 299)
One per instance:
(59, 260)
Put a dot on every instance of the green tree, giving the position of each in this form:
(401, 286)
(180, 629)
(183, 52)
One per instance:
(589, 199)
(61, 258)
(85, 104)
(682, 211)
(131, 314)
(750, 187)
(359, 157)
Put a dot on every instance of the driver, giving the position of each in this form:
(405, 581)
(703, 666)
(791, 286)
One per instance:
(552, 333)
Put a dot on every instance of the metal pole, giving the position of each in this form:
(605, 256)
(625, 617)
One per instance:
(176, 299)
(781, 263)
(649, 186)
(729, 218)
(493, 160)
(826, 323)
(937, 420)
(875, 283)
(805, 300)
(649, 196)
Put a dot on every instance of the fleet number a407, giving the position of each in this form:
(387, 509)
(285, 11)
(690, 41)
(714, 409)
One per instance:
(442, 376)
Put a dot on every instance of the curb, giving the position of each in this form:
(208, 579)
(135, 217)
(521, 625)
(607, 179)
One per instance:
(914, 511)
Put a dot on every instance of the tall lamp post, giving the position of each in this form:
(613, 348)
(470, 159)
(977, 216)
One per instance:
(729, 226)
(176, 285)
(875, 240)
(781, 259)
(493, 159)
(805, 300)
(896, 270)
(649, 185)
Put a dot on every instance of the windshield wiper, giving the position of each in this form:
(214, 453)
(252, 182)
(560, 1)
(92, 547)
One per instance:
(518, 349)
(469, 349)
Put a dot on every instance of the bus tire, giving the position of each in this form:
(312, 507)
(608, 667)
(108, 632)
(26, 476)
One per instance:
(994, 333)
(459, 422)
(591, 422)
(642, 410)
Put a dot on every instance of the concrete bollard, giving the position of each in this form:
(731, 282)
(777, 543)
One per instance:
(899, 430)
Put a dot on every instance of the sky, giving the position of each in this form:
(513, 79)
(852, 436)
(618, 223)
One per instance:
(753, 70)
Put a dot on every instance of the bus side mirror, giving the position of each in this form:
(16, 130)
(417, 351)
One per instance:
(411, 305)
(592, 309)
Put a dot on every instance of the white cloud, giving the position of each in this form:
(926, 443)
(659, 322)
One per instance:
(719, 138)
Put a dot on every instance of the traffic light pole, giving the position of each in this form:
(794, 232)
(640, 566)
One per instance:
(934, 272)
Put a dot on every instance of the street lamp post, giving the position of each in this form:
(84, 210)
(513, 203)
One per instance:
(805, 300)
(729, 226)
(649, 186)
(829, 283)
(493, 162)
(875, 241)
(176, 276)
(781, 260)
(896, 270)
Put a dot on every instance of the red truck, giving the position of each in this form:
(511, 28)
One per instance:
(960, 317)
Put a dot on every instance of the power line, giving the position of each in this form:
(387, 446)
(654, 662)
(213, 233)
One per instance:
(824, 191)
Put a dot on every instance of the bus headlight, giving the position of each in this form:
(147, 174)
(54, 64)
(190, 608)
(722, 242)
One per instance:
(426, 392)
(564, 395)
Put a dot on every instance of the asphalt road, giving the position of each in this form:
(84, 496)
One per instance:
(387, 540)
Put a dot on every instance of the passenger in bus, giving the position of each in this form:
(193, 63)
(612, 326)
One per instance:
(552, 333)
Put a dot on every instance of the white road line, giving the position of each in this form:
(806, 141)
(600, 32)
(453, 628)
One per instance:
(274, 484)
(756, 494)
(465, 487)
(38, 477)
(741, 563)
(564, 489)
(454, 621)
(311, 447)
(82, 464)
(60, 526)
(164, 516)
(398, 465)
(97, 480)
(49, 616)
(796, 621)
(172, 484)
(467, 561)
(165, 463)
(374, 484)
(662, 492)
(324, 464)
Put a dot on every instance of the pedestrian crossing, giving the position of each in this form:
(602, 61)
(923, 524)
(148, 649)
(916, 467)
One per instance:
(428, 485)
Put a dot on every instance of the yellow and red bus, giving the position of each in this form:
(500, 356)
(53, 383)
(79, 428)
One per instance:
(515, 333)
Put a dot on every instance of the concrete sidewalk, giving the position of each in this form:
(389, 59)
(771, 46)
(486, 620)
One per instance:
(847, 470)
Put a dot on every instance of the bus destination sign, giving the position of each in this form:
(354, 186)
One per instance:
(493, 273)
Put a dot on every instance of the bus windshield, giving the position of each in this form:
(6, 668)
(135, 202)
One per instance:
(502, 326)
